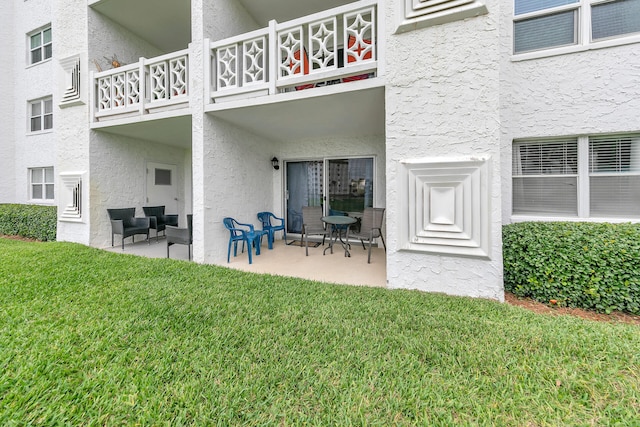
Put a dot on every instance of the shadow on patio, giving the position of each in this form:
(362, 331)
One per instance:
(289, 260)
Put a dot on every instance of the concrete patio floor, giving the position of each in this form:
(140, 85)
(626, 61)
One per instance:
(287, 260)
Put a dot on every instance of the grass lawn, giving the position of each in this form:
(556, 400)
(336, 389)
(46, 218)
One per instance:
(93, 338)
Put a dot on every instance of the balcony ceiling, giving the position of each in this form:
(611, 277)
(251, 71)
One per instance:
(173, 131)
(167, 23)
(284, 10)
(327, 114)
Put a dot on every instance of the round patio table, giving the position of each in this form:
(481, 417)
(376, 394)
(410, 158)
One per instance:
(339, 220)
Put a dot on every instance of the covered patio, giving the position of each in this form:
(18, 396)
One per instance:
(288, 260)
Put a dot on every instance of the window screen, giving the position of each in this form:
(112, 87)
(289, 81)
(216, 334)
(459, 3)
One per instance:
(614, 176)
(615, 18)
(545, 179)
(542, 32)
(163, 176)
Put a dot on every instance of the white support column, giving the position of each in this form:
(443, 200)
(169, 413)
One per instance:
(143, 76)
(208, 70)
(273, 57)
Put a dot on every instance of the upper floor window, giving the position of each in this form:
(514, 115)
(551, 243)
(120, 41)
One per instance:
(546, 24)
(589, 176)
(41, 184)
(40, 45)
(41, 114)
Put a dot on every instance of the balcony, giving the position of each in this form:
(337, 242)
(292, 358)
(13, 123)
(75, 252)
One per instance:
(331, 47)
(146, 87)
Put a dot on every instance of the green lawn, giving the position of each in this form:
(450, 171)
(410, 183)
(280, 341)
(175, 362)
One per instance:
(94, 338)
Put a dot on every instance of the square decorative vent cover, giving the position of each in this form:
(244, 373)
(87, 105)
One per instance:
(446, 206)
(425, 13)
(70, 84)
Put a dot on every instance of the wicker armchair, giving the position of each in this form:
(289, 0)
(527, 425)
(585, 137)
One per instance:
(158, 219)
(124, 222)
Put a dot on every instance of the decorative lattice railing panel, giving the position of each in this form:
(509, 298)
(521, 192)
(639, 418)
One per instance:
(227, 65)
(323, 44)
(158, 82)
(144, 86)
(334, 46)
(254, 61)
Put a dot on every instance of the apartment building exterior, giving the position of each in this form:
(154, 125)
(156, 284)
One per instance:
(457, 116)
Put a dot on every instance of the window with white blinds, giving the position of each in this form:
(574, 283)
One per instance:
(552, 177)
(615, 18)
(545, 177)
(546, 24)
(614, 176)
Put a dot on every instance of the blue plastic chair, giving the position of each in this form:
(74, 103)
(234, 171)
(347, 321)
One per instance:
(240, 232)
(271, 228)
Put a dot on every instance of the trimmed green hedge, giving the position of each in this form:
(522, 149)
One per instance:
(31, 221)
(587, 265)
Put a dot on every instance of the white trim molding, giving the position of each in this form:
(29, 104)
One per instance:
(427, 13)
(446, 206)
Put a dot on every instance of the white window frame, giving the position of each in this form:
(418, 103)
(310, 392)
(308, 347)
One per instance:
(416, 14)
(583, 177)
(43, 185)
(42, 116)
(583, 29)
(42, 47)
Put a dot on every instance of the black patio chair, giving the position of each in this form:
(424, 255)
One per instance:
(124, 222)
(158, 219)
(181, 236)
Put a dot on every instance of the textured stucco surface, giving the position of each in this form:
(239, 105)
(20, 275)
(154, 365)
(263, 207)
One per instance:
(34, 82)
(9, 68)
(238, 182)
(108, 38)
(126, 188)
(225, 18)
(70, 28)
(583, 93)
(222, 154)
(452, 90)
(442, 100)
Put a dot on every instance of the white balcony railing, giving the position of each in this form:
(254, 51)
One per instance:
(334, 46)
(147, 86)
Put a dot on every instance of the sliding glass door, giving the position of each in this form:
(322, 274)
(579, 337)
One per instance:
(340, 186)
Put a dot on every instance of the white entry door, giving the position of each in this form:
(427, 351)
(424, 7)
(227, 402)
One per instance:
(162, 186)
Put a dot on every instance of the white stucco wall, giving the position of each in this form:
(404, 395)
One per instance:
(225, 18)
(106, 161)
(108, 38)
(72, 134)
(118, 178)
(442, 101)
(30, 82)
(8, 69)
(237, 182)
(584, 93)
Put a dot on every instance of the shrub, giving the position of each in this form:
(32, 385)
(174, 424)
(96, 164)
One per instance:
(585, 265)
(30, 221)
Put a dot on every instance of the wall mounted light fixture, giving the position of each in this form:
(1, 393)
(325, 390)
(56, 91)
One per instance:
(274, 163)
